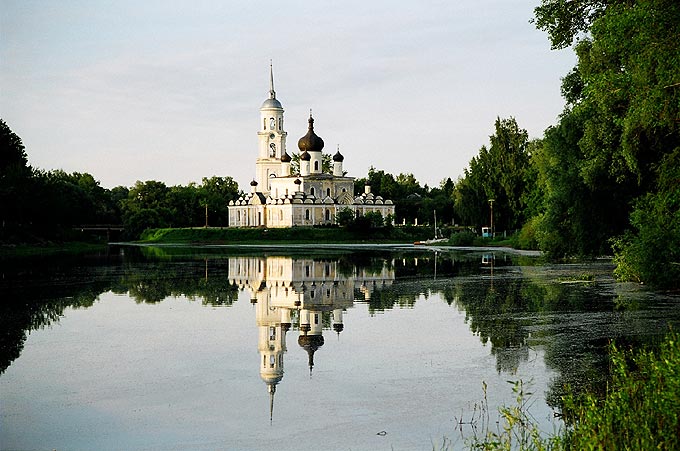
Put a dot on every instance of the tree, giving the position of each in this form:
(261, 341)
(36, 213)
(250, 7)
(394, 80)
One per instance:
(498, 172)
(326, 163)
(623, 103)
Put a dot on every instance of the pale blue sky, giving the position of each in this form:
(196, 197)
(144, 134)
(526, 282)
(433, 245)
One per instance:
(171, 91)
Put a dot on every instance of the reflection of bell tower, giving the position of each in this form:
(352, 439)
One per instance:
(271, 139)
(272, 324)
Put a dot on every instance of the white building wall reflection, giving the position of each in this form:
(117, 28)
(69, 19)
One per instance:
(296, 293)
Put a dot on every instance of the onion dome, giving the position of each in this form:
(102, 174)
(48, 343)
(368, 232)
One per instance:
(338, 156)
(310, 142)
(298, 182)
(253, 183)
(305, 156)
(310, 343)
(285, 158)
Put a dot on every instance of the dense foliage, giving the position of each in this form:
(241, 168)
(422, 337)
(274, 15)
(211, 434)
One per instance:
(639, 411)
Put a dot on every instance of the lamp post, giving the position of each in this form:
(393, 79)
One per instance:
(491, 201)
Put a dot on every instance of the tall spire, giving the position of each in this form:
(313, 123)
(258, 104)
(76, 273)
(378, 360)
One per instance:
(272, 93)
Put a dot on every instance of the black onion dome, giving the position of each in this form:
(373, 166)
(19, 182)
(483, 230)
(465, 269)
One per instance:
(338, 156)
(310, 142)
(253, 183)
(297, 182)
(305, 156)
(285, 158)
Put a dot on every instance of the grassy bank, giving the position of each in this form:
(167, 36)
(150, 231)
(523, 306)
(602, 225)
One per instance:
(640, 411)
(283, 236)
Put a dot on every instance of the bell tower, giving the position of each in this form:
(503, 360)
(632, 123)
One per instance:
(271, 138)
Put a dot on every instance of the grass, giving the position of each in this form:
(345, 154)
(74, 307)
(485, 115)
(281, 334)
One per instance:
(640, 411)
(281, 236)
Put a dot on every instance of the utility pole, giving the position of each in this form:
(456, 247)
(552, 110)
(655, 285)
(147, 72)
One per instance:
(491, 201)
(206, 215)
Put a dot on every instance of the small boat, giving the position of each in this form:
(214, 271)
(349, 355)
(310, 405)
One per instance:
(436, 239)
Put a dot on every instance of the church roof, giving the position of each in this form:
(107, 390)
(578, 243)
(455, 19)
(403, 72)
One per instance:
(310, 142)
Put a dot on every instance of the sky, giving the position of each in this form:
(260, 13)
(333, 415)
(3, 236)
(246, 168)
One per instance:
(171, 91)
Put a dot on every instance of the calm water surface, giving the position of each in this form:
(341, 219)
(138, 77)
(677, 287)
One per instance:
(173, 349)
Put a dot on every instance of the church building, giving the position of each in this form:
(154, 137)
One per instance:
(280, 198)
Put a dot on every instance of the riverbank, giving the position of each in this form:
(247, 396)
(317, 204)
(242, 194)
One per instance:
(293, 235)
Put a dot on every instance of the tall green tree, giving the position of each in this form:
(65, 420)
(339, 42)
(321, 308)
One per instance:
(623, 102)
(497, 173)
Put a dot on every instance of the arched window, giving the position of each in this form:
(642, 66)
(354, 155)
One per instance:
(311, 190)
(280, 123)
(316, 165)
(272, 123)
(328, 215)
(307, 214)
(264, 124)
(328, 192)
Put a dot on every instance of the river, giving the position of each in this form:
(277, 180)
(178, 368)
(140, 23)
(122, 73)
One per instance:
(301, 348)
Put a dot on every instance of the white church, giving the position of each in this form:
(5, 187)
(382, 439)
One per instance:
(279, 198)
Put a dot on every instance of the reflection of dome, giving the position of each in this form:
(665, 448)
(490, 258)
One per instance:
(338, 327)
(310, 343)
(310, 142)
(271, 379)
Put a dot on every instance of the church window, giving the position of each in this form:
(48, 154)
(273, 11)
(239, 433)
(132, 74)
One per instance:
(272, 361)
(280, 123)
(272, 333)
(272, 149)
(316, 318)
(264, 124)
(328, 270)
(311, 294)
(264, 361)
(286, 191)
(328, 292)
(316, 165)
(328, 192)
(328, 215)
(272, 123)
(311, 190)
(344, 190)
(307, 214)
(307, 271)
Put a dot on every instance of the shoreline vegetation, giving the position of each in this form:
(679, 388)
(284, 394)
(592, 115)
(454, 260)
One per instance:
(315, 235)
(638, 412)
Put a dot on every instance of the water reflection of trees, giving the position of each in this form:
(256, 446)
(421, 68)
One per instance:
(511, 308)
(35, 293)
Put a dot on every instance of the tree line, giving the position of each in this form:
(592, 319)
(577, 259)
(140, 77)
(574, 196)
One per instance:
(40, 205)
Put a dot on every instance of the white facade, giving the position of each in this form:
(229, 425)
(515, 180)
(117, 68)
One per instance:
(279, 198)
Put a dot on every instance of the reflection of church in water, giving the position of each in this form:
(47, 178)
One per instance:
(303, 294)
